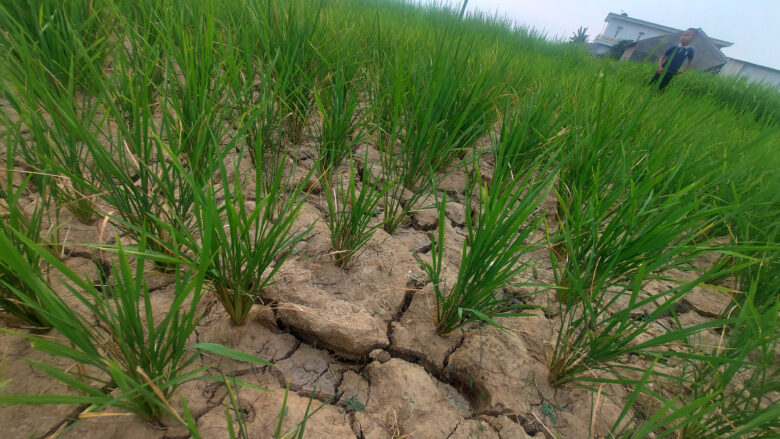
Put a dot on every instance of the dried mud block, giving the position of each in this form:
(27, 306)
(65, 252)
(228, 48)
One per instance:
(456, 212)
(335, 324)
(425, 216)
(308, 368)
(707, 302)
(498, 373)
(414, 240)
(454, 182)
(507, 429)
(369, 426)
(317, 242)
(415, 334)
(263, 416)
(354, 387)
(253, 337)
(125, 427)
(472, 429)
(570, 415)
(408, 399)
(705, 340)
(24, 421)
(380, 355)
(345, 310)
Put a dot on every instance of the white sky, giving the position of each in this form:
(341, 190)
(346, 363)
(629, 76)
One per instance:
(752, 25)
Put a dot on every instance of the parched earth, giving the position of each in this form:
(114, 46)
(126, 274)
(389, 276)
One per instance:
(360, 340)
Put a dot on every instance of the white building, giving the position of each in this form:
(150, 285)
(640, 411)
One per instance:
(618, 27)
(753, 72)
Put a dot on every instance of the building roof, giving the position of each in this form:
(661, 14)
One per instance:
(612, 15)
(708, 55)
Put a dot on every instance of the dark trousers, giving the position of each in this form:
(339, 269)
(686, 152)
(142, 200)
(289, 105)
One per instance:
(664, 82)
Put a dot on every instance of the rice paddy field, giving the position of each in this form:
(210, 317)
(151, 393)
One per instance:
(374, 219)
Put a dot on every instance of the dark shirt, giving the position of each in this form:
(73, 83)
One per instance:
(676, 56)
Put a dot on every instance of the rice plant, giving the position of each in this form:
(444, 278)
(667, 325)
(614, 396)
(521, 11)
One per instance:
(340, 119)
(498, 235)
(251, 86)
(251, 242)
(728, 392)
(60, 122)
(67, 39)
(351, 211)
(290, 45)
(142, 361)
(31, 227)
(134, 166)
(193, 101)
(623, 207)
(429, 117)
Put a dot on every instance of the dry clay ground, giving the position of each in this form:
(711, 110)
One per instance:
(367, 331)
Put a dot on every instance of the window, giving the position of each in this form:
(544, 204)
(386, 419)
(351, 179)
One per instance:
(619, 28)
(641, 34)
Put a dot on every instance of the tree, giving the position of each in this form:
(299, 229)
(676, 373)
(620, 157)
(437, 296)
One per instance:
(617, 50)
(580, 36)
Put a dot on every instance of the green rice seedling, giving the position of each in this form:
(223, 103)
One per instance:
(67, 39)
(597, 331)
(133, 166)
(428, 118)
(498, 235)
(143, 360)
(137, 363)
(251, 242)
(742, 374)
(59, 119)
(728, 391)
(251, 88)
(31, 228)
(340, 119)
(193, 103)
(291, 50)
(624, 207)
(350, 212)
(534, 125)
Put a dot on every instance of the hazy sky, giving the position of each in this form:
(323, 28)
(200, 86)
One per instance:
(752, 25)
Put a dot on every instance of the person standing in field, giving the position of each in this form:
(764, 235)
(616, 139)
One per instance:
(675, 56)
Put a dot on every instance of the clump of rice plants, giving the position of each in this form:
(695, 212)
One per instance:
(10, 282)
(251, 241)
(68, 39)
(427, 117)
(193, 101)
(726, 392)
(350, 212)
(60, 123)
(290, 45)
(498, 234)
(340, 119)
(136, 364)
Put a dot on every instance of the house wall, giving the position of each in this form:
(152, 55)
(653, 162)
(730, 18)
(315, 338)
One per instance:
(753, 72)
